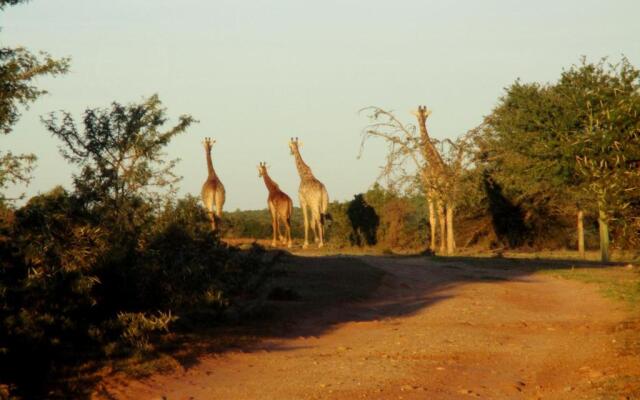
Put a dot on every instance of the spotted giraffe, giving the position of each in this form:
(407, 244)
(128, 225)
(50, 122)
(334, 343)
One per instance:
(213, 194)
(313, 197)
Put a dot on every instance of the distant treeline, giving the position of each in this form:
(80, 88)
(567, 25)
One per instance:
(387, 220)
(377, 217)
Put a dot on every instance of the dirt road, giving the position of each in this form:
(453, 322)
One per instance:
(431, 330)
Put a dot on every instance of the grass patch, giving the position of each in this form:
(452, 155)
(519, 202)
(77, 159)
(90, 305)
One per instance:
(617, 283)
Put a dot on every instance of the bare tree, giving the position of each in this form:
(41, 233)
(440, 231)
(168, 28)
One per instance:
(414, 162)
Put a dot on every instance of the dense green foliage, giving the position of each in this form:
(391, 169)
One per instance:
(573, 144)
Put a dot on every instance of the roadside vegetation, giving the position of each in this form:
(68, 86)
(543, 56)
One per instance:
(103, 270)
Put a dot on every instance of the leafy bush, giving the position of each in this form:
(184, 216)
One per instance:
(338, 230)
(60, 290)
(364, 220)
(47, 281)
(353, 223)
(136, 327)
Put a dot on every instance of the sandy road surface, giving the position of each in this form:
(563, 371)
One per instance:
(430, 331)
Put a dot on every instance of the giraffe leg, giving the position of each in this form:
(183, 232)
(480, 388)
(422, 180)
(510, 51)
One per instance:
(276, 231)
(212, 219)
(432, 224)
(287, 226)
(320, 229)
(303, 205)
(314, 224)
(282, 222)
(443, 227)
(281, 237)
(208, 203)
(314, 228)
(274, 225)
(219, 200)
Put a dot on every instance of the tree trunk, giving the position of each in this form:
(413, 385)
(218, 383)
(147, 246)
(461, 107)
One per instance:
(603, 226)
(443, 228)
(451, 244)
(432, 225)
(581, 233)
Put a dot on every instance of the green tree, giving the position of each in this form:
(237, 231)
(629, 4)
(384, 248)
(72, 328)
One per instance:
(609, 143)
(19, 69)
(120, 153)
(526, 150)
(532, 141)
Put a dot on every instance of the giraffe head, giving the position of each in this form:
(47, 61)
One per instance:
(422, 113)
(294, 145)
(208, 144)
(262, 169)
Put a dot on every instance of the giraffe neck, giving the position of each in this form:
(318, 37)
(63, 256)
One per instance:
(303, 169)
(212, 172)
(433, 157)
(269, 183)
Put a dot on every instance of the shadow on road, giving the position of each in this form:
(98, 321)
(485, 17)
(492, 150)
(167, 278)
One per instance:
(327, 291)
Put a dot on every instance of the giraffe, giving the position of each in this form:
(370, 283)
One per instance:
(313, 195)
(280, 206)
(437, 179)
(212, 193)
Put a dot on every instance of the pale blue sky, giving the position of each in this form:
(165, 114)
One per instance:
(256, 72)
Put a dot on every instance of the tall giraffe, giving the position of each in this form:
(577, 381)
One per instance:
(438, 177)
(213, 194)
(313, 195)
(280, 207)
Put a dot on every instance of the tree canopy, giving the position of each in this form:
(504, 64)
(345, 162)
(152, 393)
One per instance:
(19, 68)
(119, 150)
(570, 144)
